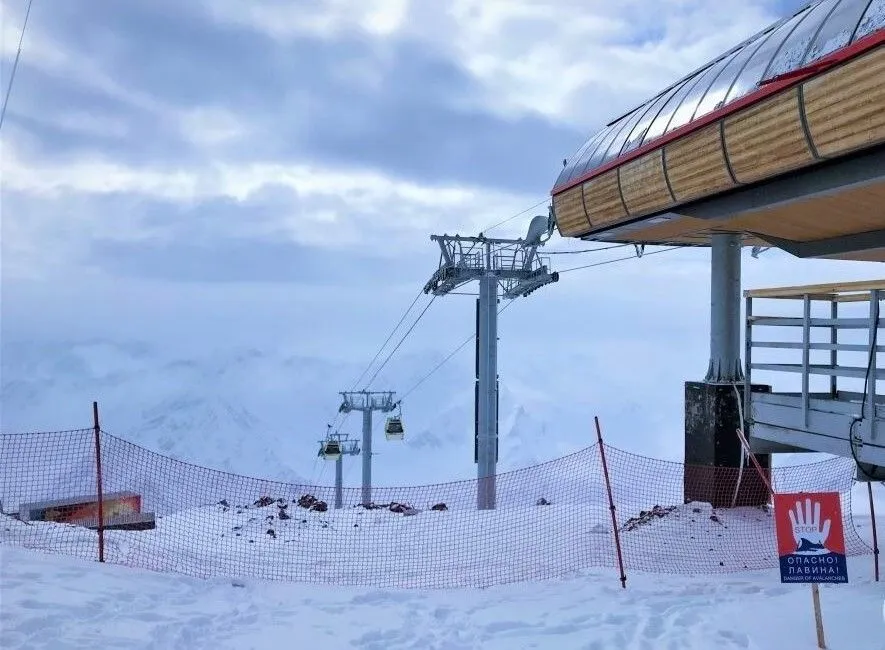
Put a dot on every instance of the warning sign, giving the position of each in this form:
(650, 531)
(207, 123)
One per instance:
(810, 537)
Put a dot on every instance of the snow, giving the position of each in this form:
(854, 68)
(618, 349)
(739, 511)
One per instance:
(260, 412)
(51, 601)
(873, 19)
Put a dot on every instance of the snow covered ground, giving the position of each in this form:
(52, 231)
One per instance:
(51, 601)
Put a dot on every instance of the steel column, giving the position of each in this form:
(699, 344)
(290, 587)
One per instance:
(339, 481)
(834, 351)
(487, 337)
(725, 310)
(806, 356)
(367, 457)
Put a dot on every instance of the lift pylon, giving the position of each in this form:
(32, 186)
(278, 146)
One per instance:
(341, 445)
(367, 402)
(515, 266)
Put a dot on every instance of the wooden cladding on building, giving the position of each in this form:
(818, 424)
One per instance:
(845, 109)
(767, 139)
(644, 184)
(835, 113)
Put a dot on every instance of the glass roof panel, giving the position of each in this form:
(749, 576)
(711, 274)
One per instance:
(837, 29)
(659, 124)
(638, 133)
(683, 114)
(598, 156)
(614, 149)
(582, 164)
(872, 20)
(578, 160)
(750, 76)
(715, 95)
(792, 53)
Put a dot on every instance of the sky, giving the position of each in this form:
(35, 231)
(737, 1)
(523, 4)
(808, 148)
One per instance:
(222, 173)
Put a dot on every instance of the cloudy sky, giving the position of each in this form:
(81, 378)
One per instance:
(213, 173)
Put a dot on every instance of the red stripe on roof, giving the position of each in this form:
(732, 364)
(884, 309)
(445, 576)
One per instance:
(770, 87)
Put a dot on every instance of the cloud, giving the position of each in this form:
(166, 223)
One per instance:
(328, 208)
(534, 56)
(205, 174)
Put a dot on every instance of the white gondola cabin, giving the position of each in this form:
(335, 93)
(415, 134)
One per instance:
(393, 428)
(330, 450)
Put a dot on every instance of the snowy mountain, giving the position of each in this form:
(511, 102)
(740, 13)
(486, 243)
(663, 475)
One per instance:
(261, 412)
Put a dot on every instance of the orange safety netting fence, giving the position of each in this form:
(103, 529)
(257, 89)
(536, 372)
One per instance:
(552, 520)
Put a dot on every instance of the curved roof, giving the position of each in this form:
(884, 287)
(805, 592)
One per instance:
(790, 44)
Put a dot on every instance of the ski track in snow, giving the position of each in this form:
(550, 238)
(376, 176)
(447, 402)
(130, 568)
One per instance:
(57, 602)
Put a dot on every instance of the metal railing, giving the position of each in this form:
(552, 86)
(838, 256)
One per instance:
(871, 292)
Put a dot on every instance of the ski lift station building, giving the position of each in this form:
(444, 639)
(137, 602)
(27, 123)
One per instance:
(779, 142)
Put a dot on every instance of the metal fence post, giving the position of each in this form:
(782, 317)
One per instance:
(98, 482)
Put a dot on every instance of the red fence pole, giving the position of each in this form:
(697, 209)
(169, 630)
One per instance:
(98, 486)
(875, 536)
(611, 503)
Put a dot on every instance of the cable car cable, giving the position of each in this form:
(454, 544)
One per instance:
(18, 54)
(401, 341)
(517, 215)
(451, 354)
(390, 336)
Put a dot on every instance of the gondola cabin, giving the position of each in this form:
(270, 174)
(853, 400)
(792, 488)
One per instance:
(330, 450)
(393, 429)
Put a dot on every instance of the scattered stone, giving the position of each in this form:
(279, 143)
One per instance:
(306, 501)
(646, 516)
(284, 515)
(713, 517)
(398, 507)
(542, 502)
(696, 510)
(224, 503)
(319, 506)
(263, 502)
(272, 533)
(238, 584)
(356, 525)
(439, 507)
(408, 512)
